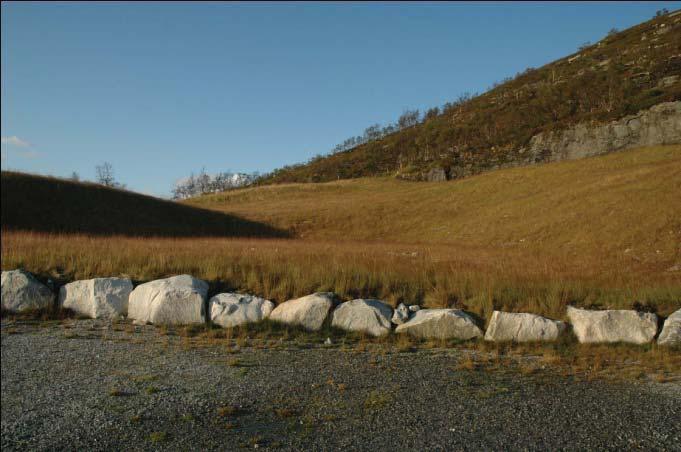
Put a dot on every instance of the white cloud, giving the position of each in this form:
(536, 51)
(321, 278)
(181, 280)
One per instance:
(15, 141)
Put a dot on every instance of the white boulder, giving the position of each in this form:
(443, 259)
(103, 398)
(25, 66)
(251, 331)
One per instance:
(671, 331)
(365, 316)
(178, 300)
(22, 292)
(401, 314)
(233, 309)
(612, 326)
(440, 324)
(414, 308)
(99, 298)
(521, 327)
(310, 311)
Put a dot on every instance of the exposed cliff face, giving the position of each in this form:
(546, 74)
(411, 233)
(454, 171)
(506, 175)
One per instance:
(659, 125)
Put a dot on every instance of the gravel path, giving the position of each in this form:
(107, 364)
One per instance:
(91, 387)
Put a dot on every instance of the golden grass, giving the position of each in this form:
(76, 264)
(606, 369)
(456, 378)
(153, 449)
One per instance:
(598, 232)
(627, 200)
(475, 278)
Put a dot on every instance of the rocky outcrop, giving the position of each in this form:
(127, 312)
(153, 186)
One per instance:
(612, 326)
(671, 331)
(440, 324)
(437, 174)
(22, 292)
(233, 309)
(99, 298)
(310, 311)
(658, 125)
(178, 300)
(522, 327)
(363, 316)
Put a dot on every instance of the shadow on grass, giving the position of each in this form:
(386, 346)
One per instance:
(47, 204)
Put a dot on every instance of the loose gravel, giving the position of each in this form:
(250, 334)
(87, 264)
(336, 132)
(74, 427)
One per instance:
(84, 385)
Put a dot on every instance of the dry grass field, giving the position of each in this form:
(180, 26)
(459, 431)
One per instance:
(601, 232)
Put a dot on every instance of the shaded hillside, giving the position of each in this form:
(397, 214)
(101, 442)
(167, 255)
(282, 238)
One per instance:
(625, 73)
(626, 200)
(47, 204)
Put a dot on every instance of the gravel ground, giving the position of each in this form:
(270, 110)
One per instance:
(83, 385)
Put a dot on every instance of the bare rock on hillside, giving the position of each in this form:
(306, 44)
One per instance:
(310, 311)
(441, 324)
(436, 175)
(612, 325)
(99, 298)
(232, 309)
(522, 327)
(401, 314)
(659, 125)
(22, 292)
(671, 331)
(365, 316)
(178, 300)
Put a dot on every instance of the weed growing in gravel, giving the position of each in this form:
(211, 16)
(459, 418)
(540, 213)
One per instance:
(256, 441)
(376, 400)
(158, 437)
(285, 412)
(145, 378)
(229, 410)
(117, 393)
(152, 390)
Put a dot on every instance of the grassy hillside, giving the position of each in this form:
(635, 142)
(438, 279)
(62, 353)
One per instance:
(599, 232)
(628, 200)
(622, 74)
(37, 203)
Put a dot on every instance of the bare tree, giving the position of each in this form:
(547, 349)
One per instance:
(205, 183)
(408, 118)
(105, 176)
(75, 177)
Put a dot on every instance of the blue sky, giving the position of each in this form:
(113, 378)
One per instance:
(161, 90)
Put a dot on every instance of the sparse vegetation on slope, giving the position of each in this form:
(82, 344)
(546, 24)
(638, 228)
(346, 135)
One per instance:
(624, 73)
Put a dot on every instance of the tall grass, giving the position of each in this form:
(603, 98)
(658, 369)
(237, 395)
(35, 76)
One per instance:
(474, 278)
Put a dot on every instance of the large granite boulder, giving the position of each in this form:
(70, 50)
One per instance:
(99, 298)
(365, 316)
(671, 331)
(178, 300)
(310, 311)
(22, 292)
(612, 326)
(521, 327)
(233, 309)
(440, 324)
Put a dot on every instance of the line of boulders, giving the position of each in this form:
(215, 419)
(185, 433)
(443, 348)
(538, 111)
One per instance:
(181, 300)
